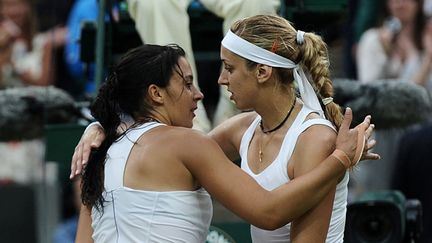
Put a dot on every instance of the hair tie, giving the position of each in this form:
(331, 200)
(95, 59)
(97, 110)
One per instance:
(327, 100)
(300, 37)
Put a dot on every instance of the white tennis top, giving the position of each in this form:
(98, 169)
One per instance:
(131, 215)
(276, 174)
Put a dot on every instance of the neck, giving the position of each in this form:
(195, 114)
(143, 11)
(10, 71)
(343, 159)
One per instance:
(155, 116)
(276, 111)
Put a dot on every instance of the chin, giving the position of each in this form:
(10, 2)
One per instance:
(242, 107)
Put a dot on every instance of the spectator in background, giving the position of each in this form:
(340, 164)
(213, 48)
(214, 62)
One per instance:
(398, 48)
(25, 54)
(53, 14)
(424, 75)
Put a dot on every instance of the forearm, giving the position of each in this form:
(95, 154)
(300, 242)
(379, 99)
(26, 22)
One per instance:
(305, 192)
(84, 229)
(240, 193)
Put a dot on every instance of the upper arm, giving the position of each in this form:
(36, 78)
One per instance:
(224, 180)
(313, 146)
(84, 229)
(228, 134)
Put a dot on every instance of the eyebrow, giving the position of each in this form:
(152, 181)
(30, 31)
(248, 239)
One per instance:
(188, 78)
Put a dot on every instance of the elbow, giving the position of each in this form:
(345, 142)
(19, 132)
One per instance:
(270, 226)
(272, 220)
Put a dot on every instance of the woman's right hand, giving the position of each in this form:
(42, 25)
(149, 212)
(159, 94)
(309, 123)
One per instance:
(351, 141)
(91, 138)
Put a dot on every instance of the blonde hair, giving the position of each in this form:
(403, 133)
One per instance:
(276, 34)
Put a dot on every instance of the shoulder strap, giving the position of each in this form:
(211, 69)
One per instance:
(119, 152)
(245, 141)
(316, 121)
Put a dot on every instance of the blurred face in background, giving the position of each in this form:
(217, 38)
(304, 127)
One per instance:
(18, 11)
(405, 10)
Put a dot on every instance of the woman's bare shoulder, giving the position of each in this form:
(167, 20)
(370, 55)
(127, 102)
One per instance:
(180, 136)
(319, 134)
(238, 122)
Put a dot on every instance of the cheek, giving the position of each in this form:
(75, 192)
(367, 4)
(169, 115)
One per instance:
(185, 98)
(237, 78)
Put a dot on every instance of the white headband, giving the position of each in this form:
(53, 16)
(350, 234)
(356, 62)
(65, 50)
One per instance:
(257, 54)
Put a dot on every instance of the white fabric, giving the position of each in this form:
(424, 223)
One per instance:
(131, 215)
(260, 55)
(300, 37)
(276, 174)
(232, 10)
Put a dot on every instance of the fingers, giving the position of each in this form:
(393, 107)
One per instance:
(370, 144)
(86, 150)
(369, 130)
(92, 138)
(75, 163)
(371, 156)
(366, 124)
(346, 121)
(73, 166)
(367, 154)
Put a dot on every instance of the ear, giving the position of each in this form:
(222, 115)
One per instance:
(263, 73)
(155, 94)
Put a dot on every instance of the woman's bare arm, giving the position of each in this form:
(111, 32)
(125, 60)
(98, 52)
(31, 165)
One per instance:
(313, 146)
(240, 193)
(84, 229)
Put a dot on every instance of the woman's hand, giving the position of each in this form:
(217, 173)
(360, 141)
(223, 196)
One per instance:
(356, 142)
(92, 138)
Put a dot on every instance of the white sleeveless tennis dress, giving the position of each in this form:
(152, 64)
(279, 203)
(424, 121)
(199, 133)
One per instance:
(276, 174)
(131, 215)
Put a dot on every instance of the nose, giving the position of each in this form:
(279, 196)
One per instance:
(198, 95)
(223, 80)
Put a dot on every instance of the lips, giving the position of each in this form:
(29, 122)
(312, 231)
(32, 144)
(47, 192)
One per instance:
(232, 94)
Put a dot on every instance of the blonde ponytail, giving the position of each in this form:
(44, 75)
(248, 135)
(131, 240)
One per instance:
(315, 58)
